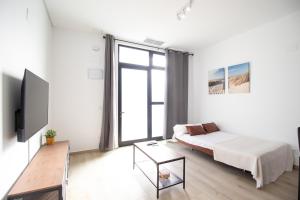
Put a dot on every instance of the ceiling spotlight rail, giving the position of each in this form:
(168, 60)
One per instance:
(181, 14)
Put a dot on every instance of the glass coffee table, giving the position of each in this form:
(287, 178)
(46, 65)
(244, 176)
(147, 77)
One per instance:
(159, 155)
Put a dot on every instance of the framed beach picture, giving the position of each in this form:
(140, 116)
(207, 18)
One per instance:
(239, 78)
(216, 81)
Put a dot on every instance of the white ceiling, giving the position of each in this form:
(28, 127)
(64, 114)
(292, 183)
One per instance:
(208, 22)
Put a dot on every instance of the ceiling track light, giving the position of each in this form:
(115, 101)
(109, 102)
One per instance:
(182, 13)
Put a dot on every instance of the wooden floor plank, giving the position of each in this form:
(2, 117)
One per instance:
(95, 175)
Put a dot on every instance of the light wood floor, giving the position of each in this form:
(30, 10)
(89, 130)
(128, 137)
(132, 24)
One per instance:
(109, 176)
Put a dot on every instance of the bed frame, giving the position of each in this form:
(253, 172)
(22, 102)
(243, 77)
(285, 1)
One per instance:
(198, 148)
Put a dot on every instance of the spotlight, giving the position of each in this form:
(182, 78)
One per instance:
(181, 15)
(187, 8)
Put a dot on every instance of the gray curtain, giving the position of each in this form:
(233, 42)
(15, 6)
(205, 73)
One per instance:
(106, 138)
(177, 90)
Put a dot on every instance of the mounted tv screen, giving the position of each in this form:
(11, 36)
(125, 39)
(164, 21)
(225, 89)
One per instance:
(33, 114)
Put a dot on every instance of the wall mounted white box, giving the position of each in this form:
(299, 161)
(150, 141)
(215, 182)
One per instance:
(95, 74)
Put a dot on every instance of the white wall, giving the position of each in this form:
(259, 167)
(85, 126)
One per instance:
(24, 43)
(272, 109)
(76, 101)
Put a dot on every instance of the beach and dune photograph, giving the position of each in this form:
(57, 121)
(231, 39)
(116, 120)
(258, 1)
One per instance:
(216, 81)
(239, 78)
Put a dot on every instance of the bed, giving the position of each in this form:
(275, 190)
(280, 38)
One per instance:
(266, 160)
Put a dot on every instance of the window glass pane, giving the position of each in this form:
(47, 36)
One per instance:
(133, 56)
(134, 104)
(158, 85)
(158, 120)
(159, 60)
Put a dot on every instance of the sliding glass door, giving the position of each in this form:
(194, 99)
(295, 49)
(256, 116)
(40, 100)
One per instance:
(134, 113)
(141, 95)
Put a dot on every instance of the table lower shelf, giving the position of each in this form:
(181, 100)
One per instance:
(54, 195)
(149, 170)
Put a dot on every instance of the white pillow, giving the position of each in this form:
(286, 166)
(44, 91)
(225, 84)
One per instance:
(180, 129)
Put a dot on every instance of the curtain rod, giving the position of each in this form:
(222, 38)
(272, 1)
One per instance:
(116, 39)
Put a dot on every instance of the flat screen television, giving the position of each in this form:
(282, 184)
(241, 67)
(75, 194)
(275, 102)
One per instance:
(33, 113)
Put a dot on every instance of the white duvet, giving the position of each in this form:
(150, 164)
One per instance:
(207, 141)
(265, 160)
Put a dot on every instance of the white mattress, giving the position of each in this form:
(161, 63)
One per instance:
(265, 159)
(208, 140)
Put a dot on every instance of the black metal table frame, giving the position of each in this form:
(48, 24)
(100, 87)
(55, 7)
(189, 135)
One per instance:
(58, 188)
(157, 170)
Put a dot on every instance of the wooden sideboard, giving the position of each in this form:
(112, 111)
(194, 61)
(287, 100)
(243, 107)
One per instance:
(46, 175)
(299, 165)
